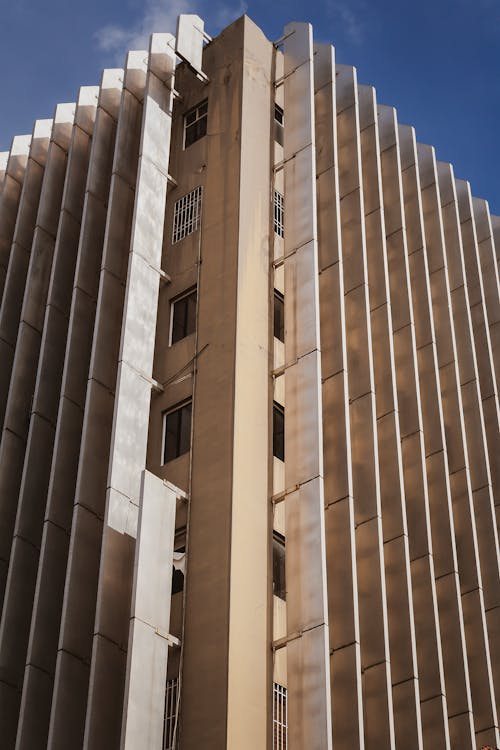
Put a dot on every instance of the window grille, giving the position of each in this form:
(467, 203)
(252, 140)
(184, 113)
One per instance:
(170, 721)
(279, 217)
(280, 718)
(187, 214)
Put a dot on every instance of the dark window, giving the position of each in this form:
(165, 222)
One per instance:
(279, 316)
(183, 316)
(195, 123)
(177, 576)
(279, 580)
(278, 431)
(278, 124)
(177, 430)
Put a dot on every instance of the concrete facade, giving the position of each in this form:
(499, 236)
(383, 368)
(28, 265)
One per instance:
(213, 536)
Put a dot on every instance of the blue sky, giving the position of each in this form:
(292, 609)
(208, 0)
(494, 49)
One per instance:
(436, 61)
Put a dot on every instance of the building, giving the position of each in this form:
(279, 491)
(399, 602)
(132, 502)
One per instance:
(243, 311)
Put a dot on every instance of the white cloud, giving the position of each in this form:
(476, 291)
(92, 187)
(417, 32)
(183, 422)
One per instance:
(349, 18)
(161, 16)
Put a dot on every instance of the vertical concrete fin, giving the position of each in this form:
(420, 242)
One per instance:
(465, 460)
(309, 699)
(372, 599)
(144, 700)
(345, 657)
(71, 681)
(131, 408)
(402, 645)
(21, 579)
(75, 349)
(12, 172)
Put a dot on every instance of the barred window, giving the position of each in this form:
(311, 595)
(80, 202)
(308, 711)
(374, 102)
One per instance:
(187, 214)
(170, 719)
(280, 718)
(195, 123)
(279, 218)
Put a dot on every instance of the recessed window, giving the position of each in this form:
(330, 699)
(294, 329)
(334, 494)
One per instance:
(279, 316)
(278, 431)
(195, 123)
(187, 214)
(279, 580)
(278, 124)
(176, 432)
(183, 316)
(279, 214)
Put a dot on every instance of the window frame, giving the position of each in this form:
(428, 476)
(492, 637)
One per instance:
(279, 541)
(277, 407)
(195, 121)
(165, 414)
(173, 301)
(278, 110)
(277, 295)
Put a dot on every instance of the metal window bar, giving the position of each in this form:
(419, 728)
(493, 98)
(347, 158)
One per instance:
(170, 720)
(187, 214)
(279, 214)
(280, 717)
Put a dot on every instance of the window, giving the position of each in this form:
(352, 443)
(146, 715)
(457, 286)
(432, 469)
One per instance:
(170, 717)
(279, 315)
(278, 124)
(278, 431)
(280, 717)
(183, 316)
(176, 432)
(279, 218)
(187, 215)
(279, 580)
(195, 123)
